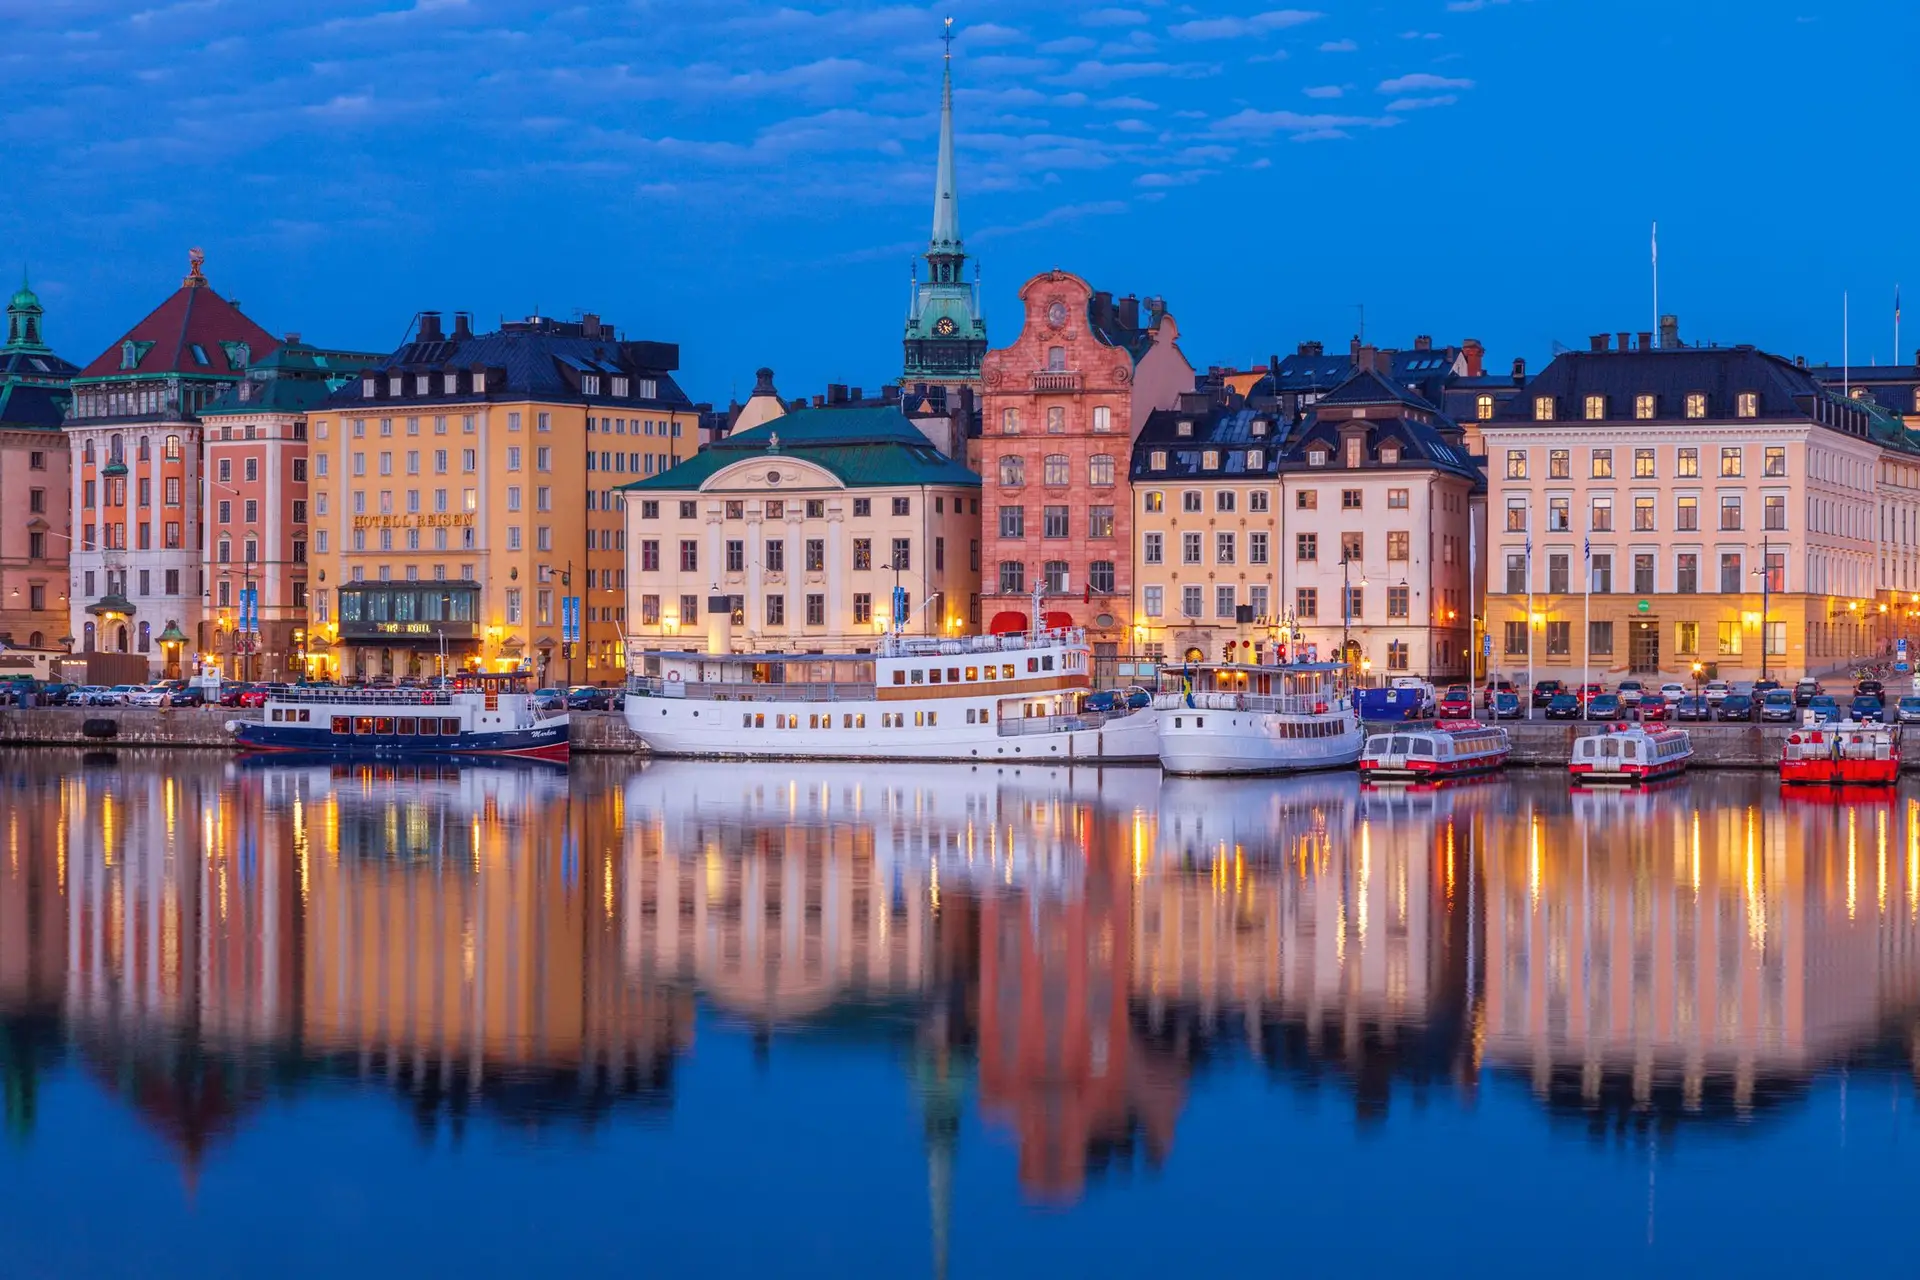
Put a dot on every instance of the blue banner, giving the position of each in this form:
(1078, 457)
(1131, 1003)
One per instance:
(899, 608)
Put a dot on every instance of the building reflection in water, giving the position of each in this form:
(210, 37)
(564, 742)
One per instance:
(1066, 953)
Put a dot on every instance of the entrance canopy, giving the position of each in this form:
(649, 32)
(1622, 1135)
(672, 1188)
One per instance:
(1058, 620)
(1008, 622)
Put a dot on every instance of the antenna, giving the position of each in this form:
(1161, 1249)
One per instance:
(1846, 370)
(1656, 283)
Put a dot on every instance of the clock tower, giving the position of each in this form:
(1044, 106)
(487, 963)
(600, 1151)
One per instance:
(945, 335)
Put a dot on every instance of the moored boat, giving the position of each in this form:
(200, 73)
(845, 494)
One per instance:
(1230, 718)
(1630, 753)
(1841, 753)
(1444, 749)
(470, 715)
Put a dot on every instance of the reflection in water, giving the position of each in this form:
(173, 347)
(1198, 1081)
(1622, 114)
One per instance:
(1068, 953)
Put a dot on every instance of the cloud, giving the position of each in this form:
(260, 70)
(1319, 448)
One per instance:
(1421, 80)
(1323, 91)
(1231, 28)
(1321, 135)
(1127, 104)
(1094, 72)
(1339, 46)
(1186, 179)
(1470, 6)
(1419, 35)
(1276, 55)
(1251, 123)
(1053, 217)
(1421, 104)
(1210, 154)
(1112, 18)
(1069, 44)
(1136, 42)
(1132, 126)
(990, 33)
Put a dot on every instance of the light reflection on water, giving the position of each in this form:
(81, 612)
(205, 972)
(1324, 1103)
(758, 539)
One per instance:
(1082, 965)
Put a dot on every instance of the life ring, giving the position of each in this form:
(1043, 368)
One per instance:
(673, 677)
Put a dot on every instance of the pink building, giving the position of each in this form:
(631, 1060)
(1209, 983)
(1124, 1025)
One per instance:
(35, 515)
(1062, 406)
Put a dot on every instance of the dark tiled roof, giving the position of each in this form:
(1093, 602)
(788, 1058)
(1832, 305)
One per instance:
(1669, 374)
(1365, 387)
(293, 379)
(864, 448)
(1891, 386)
(1228, 429)
(23, 404)
(1424, 370)
(192, 316)
(35, 365)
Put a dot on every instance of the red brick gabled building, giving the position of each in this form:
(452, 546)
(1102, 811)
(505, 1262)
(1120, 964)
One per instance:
(1061, 408)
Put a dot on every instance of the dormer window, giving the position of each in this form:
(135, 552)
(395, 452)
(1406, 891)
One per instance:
(1747, 404)
(1259, 426)
(1483, 407)
(1596, 408)
(1390, 455)
(1183, 428)
(479, 382)
(1643, 407)
(449, 384)
(589, 384)
(1356, 451)
(367, 388)
(1543, 409)
(647, 389)
(1210, 459)
(199, 353)
(129, 355)
(396, 385)
(1317, 457)
(1157, 460)
(620, 386)
(1256, 459)
(1696, 404)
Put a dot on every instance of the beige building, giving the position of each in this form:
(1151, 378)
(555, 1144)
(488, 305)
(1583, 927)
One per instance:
(1725, 508)
(793, 536)
(1251, 528)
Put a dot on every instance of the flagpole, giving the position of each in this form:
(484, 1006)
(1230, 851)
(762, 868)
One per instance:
(1529, 625)
(1656, 282)
(1586, 645)
(1846, 368)
(1896, 325)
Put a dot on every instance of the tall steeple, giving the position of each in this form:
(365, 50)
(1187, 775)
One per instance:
(946, 200)
(946, 337)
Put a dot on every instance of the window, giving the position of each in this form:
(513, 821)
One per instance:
(1399, 543)
(649, 555)
(1600, 638)
(1643, 513)
(776, 556)
(1153, 548)
(1776, 575)
(1397, 499)
(1100, 522)
(1643, 406)
(1306, 602)
(902, 555)
(1353, 547)
(1224, 601)
(1055, 572)
(1306, 499)
(1603, 464)
(1210, 459)
(1559, 464)
(1731, 460)
(1100, 469)
(1306, 546)
(1013, 577)
(689, 556)
(1100, 576)
(863, 506)
(1190, 500)
(1225, 500)
(1010, 422)
(1190, 548)
(1056, 420)
(1351, 499)
(1053, 521)
(1774, 461)
(1157, 460)
(1686, 515)
(1483, 407)
(1223, 548)
(1013, 522)
(1153, 501)
(1686, 574)
(689, 609)
(1602, 512)
(903, 506)
(1596, 408)
(1559, 515)
(1257, 547)
(776, 611)
(1730, 638)
(1543, 408)
(1729, 511)
(1687, 462)
(1057, 469)
(1557, 573)
(1356, 602)
(863, 606)
(1153, 601)
(1696, 404)
(1516, 515)
(1747, 405)
(1192, 601)
(1397, 601)
(1776, 639)
(1731, 583)
(1516, 637)
(1774, 511)
(736, 555)
(1516, 464)
(816, 552)
(1643, 465)
(1559, 639)
(1258, 500)
(1643, 573)
(863, 553)
(816, 611)
(1686, 638)
(1102, 418)
(1602, 573)
(1013, 470)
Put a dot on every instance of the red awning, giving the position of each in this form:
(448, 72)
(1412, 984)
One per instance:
(1007, 622)
(1058, 620)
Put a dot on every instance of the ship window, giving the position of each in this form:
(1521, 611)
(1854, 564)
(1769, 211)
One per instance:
(899, 677)
(973, 673)
(341, 724)
(760, 720)
(449, 728)
(1046, 663)
(363, 724)
(953, 675)
(990, 671)
(275, 715)
(986, 716)
(933, 675)
(306, 715)
(1006, 671)
(1033, 664)
(746, 721)
(405, 726)
(383, 725)
(919, 676)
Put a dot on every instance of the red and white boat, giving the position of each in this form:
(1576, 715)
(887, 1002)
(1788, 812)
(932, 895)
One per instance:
(1630, 753)
(1841, 753)
(1444, 749)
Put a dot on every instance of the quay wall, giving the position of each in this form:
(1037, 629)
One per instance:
(1715, 745)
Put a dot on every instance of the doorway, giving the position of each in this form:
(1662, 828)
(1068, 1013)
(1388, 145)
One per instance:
(1643, 654)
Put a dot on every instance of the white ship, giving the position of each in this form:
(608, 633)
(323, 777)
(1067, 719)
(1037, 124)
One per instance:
(1012, 698)
(1229, 718)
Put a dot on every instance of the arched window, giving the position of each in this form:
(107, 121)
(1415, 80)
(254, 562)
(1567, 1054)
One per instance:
(86, 451)
(1013, 470)
(120, 638)
(86, 638)
(1100, 576)
(117, 448)
(146, 450)
(1100, 469)
(146, 637)
(172, 449)
(1059, 469)
(36, 640)
(1056, 576)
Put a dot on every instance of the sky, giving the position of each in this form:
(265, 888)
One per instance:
(752, 180)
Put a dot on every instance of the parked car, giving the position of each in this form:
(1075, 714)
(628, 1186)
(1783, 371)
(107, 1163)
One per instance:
(1563, 706)
(1494, 688)
(123, 693)
(1762, 687)
(146, 696)
(1736, 706)
(1869, 686)
(1631, 691)
(1907, 710)
(550, 699)
(1673, 691)
(85, 695)
(1805, 691)
(589, 697)
(1824, 708)
(1605, 706)
(1506, 706)
(1653, 707)
(1865, 707)
(1716, 690)
(1693, 707)
(1778, 705)
(189, 696)
(1545, 691)
(1588, 692)
(254, 695)
(1456, 701)
(232, 692)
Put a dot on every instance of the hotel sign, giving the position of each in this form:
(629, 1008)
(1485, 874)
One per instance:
(404, 628)
(435, 520)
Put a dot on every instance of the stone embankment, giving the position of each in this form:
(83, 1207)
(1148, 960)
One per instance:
(1715, 745)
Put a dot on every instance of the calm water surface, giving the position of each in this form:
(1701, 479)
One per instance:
(935, 1020)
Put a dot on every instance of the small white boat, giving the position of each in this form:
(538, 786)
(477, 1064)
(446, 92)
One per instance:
(1624, 752)
(1444, 749)
(1228, 718)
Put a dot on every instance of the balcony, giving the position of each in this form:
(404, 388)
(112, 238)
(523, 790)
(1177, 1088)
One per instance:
(1056, 380)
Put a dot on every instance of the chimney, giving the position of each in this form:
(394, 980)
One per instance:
(1624, 336)
(1423, 342)
(1598, 342)
(1799, 362)
(1129, 312)
(1313, 349)
(1519, 371)
(462, 326)
(854, 396)
(429, 327)
(1669, 331)
(1102, 310)
(292, 339)
(1476, 355)
(836, 393)
(589, 325)
(1353, 349)
(763, 382)
(1646, 340)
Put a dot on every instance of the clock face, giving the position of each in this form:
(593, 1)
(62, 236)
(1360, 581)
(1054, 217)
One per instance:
(945, 326)
(1057, 314)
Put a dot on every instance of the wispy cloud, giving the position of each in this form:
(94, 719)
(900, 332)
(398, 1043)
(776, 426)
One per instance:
(1470, 6)
(1340, 46)
(1113, 18)
(1241, 28)
(1422, 104)
(1323, 91)
(1253, 123)
(1422, 80)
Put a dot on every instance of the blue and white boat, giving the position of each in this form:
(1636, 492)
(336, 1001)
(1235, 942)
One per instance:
(472, 715)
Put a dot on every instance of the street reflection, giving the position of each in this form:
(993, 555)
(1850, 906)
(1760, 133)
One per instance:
(1067, 954)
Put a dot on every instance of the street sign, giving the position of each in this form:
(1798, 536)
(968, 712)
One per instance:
(570, 619)
(1486, 644)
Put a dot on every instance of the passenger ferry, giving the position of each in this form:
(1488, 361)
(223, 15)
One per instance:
(1624, 752)
(1228, 718)
(1841, 753)
(1019, 697)
(473, 715)
(1446, 749)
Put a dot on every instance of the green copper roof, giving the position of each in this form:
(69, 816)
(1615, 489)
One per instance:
(862, 448)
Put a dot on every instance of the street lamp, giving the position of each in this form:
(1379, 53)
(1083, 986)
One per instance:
(1699, 669)
(1766, 590)
(1346, 606)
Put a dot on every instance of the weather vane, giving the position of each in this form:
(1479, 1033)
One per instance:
(947, 35)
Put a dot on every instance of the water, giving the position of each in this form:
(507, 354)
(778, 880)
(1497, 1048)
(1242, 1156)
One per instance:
(933, 1020)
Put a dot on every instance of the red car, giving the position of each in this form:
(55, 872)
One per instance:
(254, 696)
(1456, 702)
(1588, 692)
(1654, 707)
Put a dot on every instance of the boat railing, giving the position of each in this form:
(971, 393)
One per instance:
(1029, 726)
(749, 691)
(892, 646)
(1282, 704)
(367, 697)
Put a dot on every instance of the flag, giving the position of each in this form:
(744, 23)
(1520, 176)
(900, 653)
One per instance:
(1586, 548)
(1186, 683)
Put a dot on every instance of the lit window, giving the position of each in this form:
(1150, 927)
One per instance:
(1696, 404)
(1643, 406)
(1543, 408)
(1596, 407)
(1747, 404)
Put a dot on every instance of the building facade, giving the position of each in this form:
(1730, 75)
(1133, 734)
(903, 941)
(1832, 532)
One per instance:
(1678, 511)
(1062, 406)
(793, 536)
(259, 511)
(34, 489)
(1347, 532)
(135, 451)
(468, 484)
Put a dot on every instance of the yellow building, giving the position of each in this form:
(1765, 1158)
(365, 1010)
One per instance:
(470, 484)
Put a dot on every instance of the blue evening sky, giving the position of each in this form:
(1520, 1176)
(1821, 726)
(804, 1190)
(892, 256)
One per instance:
(750, 179)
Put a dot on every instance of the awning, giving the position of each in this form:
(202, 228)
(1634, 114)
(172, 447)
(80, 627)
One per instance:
(1056, 620)
(1008, 622)
(115, 603)
(173, 634)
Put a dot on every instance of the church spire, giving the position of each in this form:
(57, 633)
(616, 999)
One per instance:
(946, 200)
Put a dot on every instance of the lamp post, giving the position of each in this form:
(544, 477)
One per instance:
(1346, 607)
(1766, 596)
(1699, 669)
